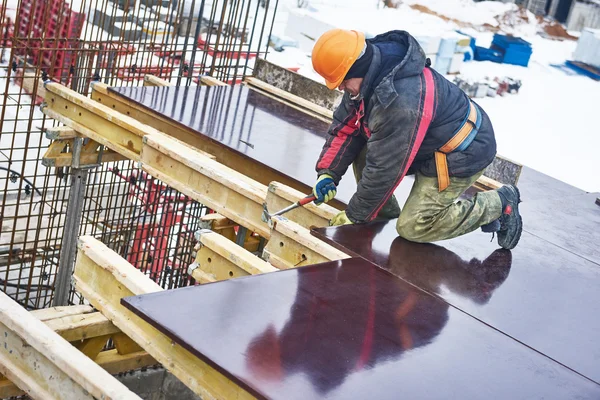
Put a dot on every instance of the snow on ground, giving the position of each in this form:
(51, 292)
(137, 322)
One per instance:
(466, 11)
(551, 125)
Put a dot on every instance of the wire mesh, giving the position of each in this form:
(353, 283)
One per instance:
(118, 43)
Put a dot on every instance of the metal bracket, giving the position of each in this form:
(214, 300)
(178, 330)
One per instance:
(201, 232)
(192, 267)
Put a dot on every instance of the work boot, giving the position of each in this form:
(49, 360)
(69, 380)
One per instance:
(511, 224)
(390, 210)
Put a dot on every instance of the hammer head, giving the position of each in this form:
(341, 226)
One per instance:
(266, 217)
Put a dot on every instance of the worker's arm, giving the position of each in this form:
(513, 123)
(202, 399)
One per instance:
(396, 135)
(344, 141)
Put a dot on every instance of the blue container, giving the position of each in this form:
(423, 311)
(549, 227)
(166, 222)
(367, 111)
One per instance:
(515, 50)
(483, 54)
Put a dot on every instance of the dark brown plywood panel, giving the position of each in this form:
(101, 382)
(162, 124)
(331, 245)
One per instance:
(538, 293)
(349, 329)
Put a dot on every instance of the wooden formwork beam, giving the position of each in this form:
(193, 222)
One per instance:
(82, 326)
(292, 245)
(220, 224)
(313, 109)
(60, 133)
(104, 278)
(206, 80)
(151, 80)
(78, 323)
(44, 365)
(56, 156)
(220, 259)
(118, 132)
(220, 188)
(47, 314)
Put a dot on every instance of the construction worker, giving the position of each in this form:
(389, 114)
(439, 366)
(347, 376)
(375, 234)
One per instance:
(400, 116)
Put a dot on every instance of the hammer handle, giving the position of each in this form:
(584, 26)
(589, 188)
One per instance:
(306, 200)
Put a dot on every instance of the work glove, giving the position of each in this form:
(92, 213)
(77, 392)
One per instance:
(340, 219)
(324, 189)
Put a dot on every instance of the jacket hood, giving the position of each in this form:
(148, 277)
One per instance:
(412, 64)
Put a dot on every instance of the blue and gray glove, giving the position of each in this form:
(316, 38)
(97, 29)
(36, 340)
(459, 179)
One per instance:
(324, 189)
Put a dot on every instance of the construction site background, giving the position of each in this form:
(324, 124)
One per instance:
(77, 42)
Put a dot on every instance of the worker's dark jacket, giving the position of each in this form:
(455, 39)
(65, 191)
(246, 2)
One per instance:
(403, 120)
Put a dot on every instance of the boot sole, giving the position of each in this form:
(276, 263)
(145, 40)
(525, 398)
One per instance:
(517, 237)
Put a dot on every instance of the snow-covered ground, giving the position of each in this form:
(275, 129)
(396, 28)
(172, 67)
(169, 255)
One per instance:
(551, 125)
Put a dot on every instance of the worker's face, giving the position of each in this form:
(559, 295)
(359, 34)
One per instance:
(351, 86)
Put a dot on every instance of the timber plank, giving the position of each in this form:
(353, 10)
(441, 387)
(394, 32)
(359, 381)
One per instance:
(45, 365)
(82, 326)
(46, 314)
(220, 188)
(104, 278)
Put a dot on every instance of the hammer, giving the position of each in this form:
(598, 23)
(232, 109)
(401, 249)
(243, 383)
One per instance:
(266, 217)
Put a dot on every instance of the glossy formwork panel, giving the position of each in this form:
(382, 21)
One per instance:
(348, 329)
(247, 122)
(540, 294)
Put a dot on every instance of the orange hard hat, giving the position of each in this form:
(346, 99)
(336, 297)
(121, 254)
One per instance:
(335, 52)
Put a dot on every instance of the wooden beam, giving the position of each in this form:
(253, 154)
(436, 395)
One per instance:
(28, 82)
(206, 80)
(45, 365)
(93, 346)
(121, 133)
(46, 314)
(111, 361)
(220, 224)
(280, 196)
(201, 276)
(485, 183)
(104, 278)
(222, 259)
(56, 156)
(60, 133)
(294, 246)
(82, 326)
(282, 94)
(114, 363)
(220, 188)
(125, 345)
(151, 80)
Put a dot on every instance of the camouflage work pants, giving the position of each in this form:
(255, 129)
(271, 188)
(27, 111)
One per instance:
(430, 215)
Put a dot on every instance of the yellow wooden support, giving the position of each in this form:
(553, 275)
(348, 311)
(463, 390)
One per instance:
(220, 224)
(220, 259)
(151, 80)
(294, 246)
(222, 189)
(93, 346)
(60, 133)
(82, 326)
(57, 157)
(104, 278)
(210, 81)
(46, 366)
(125, 345)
